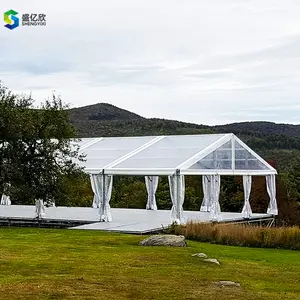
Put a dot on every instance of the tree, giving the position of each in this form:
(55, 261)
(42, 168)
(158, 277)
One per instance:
(36, 152)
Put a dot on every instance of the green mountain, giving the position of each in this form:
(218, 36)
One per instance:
(101, 112)
(260, 128)
(104, 119)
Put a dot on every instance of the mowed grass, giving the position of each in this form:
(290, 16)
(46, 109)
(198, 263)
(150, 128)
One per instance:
(74, 264)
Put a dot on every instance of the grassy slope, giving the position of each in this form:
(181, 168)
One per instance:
(67, 264)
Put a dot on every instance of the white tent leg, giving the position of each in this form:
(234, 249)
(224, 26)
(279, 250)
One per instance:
(102, 188)
(215, 210)
(151, 185)
(271, 188)
(95, 187)
(247, 181)
(206, 185)
(105, 212)
(5, 200)
(39, 208)
(177, 190)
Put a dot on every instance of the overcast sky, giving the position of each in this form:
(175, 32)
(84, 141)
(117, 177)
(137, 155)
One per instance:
(208, 62)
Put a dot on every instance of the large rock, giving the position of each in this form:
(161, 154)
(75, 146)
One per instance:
(212, 260)
(228, 283)
(164, 240)
(201, 255)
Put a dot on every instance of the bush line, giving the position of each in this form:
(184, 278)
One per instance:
(241, 235)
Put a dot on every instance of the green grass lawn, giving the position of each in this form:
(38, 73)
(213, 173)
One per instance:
(74, 264)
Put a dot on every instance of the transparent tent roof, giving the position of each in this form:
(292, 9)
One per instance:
(163, 155)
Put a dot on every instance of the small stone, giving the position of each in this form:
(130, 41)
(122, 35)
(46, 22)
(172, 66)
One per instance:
(201, 255)
(212, 260)
(164, 240)
(228, 283)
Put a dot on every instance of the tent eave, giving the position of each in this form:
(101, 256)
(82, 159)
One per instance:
(229, 172)
(170, 171)
(133, 171)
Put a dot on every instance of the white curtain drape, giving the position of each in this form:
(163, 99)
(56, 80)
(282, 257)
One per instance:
(271, 188)
(39, 208)
(95, 183)
(215, 210)
(95, 201)
(102, 188)
(247, 182)
(151, 186)
(5, 200)
(206, 185)
(177, 190)
(106, 213)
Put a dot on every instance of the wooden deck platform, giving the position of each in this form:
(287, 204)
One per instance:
(138, 221)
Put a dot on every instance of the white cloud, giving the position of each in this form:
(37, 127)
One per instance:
(208, 62)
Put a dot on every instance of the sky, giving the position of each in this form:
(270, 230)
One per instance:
(205, 62)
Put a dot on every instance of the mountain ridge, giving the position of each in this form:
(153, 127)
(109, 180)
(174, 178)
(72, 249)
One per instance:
(103, 119)
(101, 112)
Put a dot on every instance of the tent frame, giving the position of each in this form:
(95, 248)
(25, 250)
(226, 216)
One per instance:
(183, 168)
(177, 173)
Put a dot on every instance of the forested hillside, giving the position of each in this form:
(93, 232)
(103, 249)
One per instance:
(101, 112)
(262, 128)
(104, 119)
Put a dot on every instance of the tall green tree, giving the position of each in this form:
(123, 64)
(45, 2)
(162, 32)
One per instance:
(36, 152)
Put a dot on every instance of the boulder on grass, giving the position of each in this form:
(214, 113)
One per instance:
(212, 260)
(201, 255)
(228, 283)
(164, 240)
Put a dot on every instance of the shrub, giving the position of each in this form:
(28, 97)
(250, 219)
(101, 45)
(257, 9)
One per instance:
(242, 235)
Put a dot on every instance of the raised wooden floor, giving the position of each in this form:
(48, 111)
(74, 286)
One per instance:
(139, 221)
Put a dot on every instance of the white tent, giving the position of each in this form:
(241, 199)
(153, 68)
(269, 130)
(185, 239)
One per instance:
(5, 200)
(209, 155)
